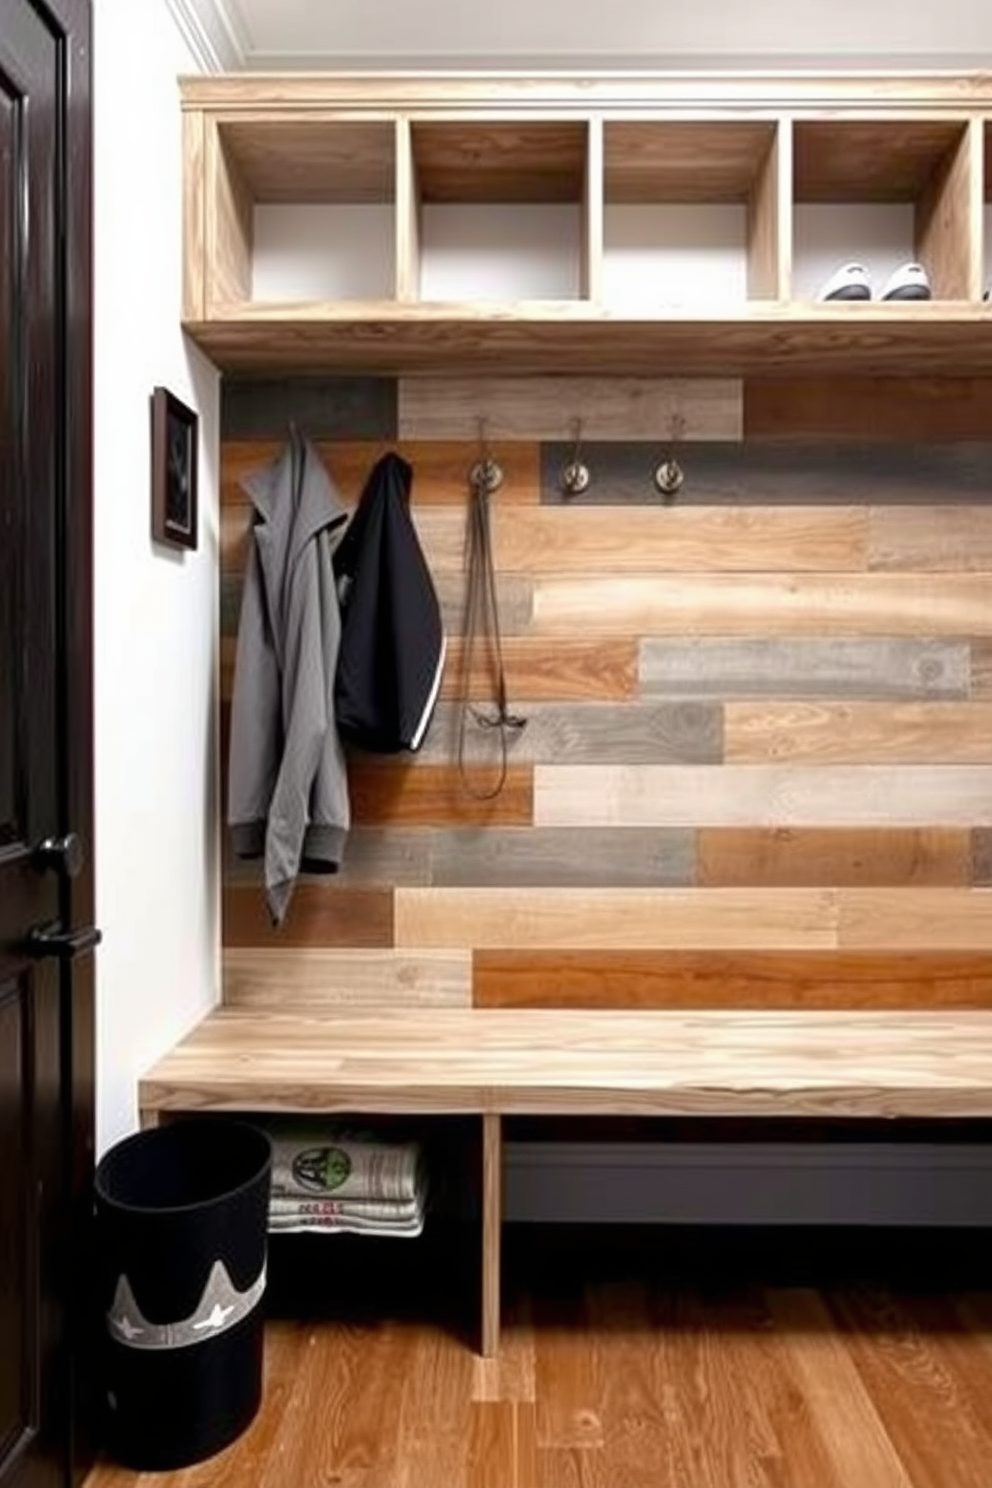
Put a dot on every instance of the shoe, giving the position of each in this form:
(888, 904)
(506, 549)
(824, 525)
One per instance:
(910, 282)
(848, 283)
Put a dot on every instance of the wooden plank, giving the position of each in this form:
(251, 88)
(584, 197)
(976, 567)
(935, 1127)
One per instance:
(780, 472)
(811, 980)
(514, 596)
(764, 857)
(931, 538)
(547, 407)
(314, 160)
(575, 733)
(434, 795)
(809, 667)
(912, 919)
(327, 407)
(228, 226)
(372, 855)
(699, 160)
(505, 160)
(859, 733)
(776, 604)
(769, 218)
(949, 219)
(941, 409)
(407, 215)
(562, 857)
(298, 980)
(981, 669)
(492, 1228)
(572, 669)
(194, 217)
(981, 857)
(440, 467)
(593, 199)
(869, 160)
(608, 540)
(320, 914)
(615, 918)
(763, 795)
(509, 1378)
(752, 1063)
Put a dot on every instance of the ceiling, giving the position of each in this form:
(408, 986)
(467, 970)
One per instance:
(383, 34)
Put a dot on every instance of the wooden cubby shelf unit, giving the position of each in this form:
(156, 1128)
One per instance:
(616, 224)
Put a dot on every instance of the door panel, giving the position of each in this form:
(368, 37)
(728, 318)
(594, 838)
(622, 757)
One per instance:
(14, 1406)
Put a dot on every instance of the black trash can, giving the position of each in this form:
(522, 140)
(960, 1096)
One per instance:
(182, 1218)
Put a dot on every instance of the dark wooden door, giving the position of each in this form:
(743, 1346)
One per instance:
(46, 939)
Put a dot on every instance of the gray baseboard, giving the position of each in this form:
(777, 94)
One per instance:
(748, 1183)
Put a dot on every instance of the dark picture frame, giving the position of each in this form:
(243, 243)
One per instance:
(175, 437)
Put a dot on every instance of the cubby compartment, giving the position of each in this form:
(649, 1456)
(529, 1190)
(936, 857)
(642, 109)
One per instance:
(694, 213)
(312, 212)
(884, 193)
(498, 211)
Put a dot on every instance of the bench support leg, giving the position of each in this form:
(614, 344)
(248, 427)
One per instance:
(492, 1224)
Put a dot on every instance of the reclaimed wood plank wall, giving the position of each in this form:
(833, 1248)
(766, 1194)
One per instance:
(757, 768)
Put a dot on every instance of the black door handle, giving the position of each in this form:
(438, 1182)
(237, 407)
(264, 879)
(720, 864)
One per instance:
(49, 940)
(63, 854)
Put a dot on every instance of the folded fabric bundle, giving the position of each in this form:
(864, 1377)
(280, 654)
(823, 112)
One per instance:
(332, 1216)
(315, 1161)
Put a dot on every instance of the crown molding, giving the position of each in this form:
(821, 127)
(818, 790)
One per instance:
(216, 38)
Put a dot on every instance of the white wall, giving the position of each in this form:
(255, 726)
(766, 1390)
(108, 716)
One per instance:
(156, 611)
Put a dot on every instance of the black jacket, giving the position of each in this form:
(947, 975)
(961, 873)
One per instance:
(392, 641)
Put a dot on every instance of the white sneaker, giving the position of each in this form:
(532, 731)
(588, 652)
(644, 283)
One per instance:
(910, 282)
(848, 283)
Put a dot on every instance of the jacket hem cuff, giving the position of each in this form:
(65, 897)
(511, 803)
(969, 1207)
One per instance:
(323, 848)
(248, 839)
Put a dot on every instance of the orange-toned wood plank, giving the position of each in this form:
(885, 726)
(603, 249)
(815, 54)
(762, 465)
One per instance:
(320, 914)
(731, 979)
(897, 733)
(440, 467)
(766, 856)
(567, 669)
(434, 796)
(877, 408)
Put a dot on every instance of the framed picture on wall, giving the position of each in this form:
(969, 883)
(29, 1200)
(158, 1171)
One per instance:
(174, 445)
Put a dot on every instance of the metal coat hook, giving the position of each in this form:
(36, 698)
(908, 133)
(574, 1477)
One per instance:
(669, 477)
(575, 475)
(486, 475)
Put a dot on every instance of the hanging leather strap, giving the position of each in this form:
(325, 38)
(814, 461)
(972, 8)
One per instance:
(482, 627)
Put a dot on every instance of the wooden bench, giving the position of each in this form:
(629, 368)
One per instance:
(560, 1063)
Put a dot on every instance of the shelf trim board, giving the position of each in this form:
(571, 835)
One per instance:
(949, 224)
(408, 217)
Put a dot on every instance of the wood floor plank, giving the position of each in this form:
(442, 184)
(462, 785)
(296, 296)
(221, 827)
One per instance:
(858, 796)
(931, 539)
(435, 1413)
(320, 914)
(501, 1449)
(838, 856)
(981, 669)
(571, 669)
(510, 1377)
(686, 731)
(615, 918)
(424, 795)
(826, 1377)
(728, 979)
(383, 856)
(286, 979)
(915, 919)
(773, 604)
(898, 733)
(981, 857)
(936, 409)
(563, 857)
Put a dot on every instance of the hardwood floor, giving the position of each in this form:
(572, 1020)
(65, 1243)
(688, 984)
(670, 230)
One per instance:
(802, 1361)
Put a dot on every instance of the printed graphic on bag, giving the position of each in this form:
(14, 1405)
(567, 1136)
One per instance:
(322, 1169)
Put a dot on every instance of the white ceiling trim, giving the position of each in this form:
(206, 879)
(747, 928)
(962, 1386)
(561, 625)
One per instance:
(573, 62)
(214, 34)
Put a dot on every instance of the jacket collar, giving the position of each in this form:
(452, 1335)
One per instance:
(294, 496)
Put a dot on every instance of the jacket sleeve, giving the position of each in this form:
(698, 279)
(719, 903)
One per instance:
(253, 761)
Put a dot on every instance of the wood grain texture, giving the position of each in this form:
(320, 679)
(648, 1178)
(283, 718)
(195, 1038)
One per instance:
(981, 669)
(769, 604)
(540, 160)
(228, 225)
(408, 216)
(914, 918)
(297, 980)
(781, 472)
(314, 160)
(328, 407)
(949, 219)
(769, 218)
(880, 409)
(931, 538)
(510, 1377)
(859, 733)
(808, 667)
(593, 209)
(842, 160)
(372, 855)
(560, 857)
(573, 669)
(981, 857)
(547, 407)
(614, 918)
(810, 857)
(763, 795)
(810, 980)
(440, 468)
(194, 217)
(532, 1061)
(654, 160)
(492, 1228)
(434, 795)
(625, 733)
(320, 914)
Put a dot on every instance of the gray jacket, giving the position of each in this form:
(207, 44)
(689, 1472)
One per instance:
(288, 788)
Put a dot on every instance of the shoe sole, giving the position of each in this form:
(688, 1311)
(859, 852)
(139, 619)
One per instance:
(849, 292)
(909, 292)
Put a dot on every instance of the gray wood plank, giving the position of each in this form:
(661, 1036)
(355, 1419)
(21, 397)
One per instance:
(765, 472)
(383, 856)
(514, 595)
(981, 857)
(562, 857)
(323, 407)
(586, 733)
(835, 667)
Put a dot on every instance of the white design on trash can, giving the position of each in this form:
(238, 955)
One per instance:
(221, 1307)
